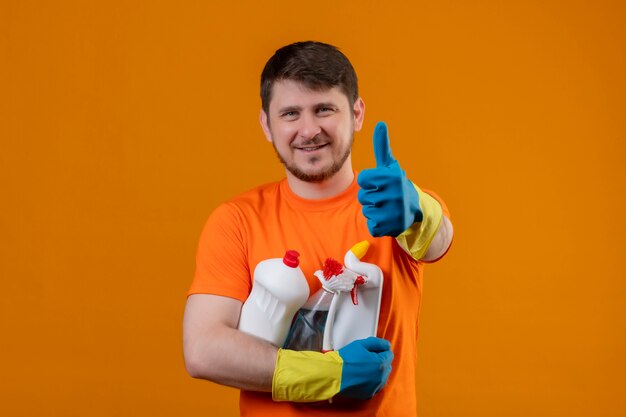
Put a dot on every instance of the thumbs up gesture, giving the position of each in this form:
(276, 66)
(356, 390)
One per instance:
(390, 201)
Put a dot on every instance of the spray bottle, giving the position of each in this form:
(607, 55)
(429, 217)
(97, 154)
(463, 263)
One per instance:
(331, 319)
(278, 291)
(357, 316)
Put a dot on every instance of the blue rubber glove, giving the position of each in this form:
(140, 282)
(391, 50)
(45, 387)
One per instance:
(366, 367)
(390, 201)
(358, 370)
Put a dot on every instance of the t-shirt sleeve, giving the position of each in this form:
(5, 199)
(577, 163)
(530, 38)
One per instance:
(221, 258)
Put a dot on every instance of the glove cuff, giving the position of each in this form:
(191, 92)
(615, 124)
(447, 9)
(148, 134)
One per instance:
(306, 376)
(416, 239)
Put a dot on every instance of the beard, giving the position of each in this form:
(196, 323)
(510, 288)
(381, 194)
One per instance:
(319, 176)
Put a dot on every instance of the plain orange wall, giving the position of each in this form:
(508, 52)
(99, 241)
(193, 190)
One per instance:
(124, 123)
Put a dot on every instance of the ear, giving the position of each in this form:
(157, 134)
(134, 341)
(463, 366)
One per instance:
(265, 125)
(359, 114)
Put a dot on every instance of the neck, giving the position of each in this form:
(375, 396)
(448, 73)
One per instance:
(328, 188)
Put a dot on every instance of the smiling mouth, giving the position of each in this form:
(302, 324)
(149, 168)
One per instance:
(311, 148)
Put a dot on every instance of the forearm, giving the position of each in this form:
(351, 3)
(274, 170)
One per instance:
(230, 357)
(441, 242)
(430, 236)
(218, 352)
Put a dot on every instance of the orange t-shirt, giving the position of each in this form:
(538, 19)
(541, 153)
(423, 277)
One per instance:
(265, 222)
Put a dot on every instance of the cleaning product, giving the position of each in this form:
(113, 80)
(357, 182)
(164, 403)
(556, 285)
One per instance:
(340, 280)
(358, 320)
(278, 291)
(331, 319)
(308, 329)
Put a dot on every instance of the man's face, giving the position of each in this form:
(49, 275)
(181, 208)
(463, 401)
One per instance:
(312, 131)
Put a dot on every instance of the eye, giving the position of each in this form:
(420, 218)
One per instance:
(325, 110)
(290, 114)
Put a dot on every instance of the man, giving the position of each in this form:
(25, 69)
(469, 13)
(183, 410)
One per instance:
(310, 111)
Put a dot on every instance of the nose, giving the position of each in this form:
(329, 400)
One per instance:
(309, 126)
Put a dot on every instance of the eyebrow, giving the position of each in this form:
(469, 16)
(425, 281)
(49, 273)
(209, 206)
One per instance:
(299, 108)
(289, 108)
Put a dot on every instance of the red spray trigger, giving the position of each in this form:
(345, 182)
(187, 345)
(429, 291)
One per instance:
(358, 281)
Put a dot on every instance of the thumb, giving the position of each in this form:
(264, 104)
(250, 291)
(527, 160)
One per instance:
(382, 149)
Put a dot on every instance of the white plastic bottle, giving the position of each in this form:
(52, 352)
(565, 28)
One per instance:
(335, 316)
(358, 321)
(278, 291)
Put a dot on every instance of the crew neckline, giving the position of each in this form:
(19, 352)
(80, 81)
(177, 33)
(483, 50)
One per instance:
(321, 204)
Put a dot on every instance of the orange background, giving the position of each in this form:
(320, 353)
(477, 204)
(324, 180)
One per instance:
(124, 123)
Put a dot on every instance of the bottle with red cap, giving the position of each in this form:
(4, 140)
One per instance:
(278, 291)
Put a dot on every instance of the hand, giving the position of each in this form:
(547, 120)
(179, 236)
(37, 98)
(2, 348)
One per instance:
(366, 367)
(390, 201)
(358, 370)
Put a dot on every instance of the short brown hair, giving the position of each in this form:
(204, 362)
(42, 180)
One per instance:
(315, 64)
